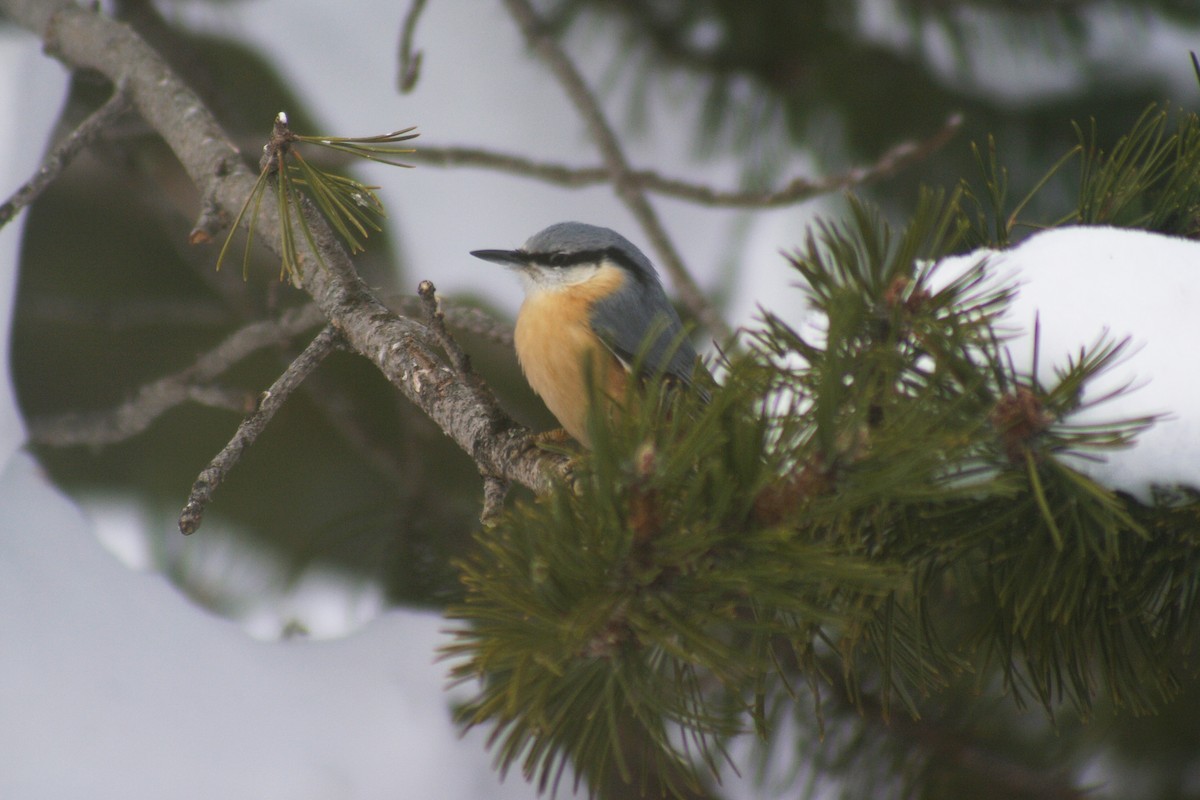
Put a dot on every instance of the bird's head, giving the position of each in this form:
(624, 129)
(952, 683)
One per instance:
(571, 253)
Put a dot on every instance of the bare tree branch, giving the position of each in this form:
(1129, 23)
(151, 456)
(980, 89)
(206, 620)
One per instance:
(212, 219)
(271, 401)
(64, 153)
(459, 315)
(795, 191)
(494, 491)
(401, 348)
(624, 180)
(193, 384)
(437, 323)
(220, 398)
(157, 397)
(480, 323)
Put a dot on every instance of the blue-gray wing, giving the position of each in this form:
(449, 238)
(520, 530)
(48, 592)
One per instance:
(632, 323)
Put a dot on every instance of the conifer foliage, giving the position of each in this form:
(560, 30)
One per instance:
(869, 511)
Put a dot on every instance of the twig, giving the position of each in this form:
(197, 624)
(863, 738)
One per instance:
(157, 397)
(495, 487)
(214, 474)
(409, 70)
(236, 400)
(480, 323)
(623, 178)
(471, 319)
(795, 191)
(437, 323)
(64, 153)
(494, 491)
(211, 221)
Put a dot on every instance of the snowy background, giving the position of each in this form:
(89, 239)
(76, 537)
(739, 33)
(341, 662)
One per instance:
(177, 703)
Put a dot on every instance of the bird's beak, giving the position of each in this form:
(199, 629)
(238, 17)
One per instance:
(508, 258)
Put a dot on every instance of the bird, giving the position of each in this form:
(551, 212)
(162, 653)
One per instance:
(593, 304)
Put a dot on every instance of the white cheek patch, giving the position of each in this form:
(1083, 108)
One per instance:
(548, 279)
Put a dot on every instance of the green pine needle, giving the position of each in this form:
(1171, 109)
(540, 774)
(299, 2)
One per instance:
(372, 148)
(850, 510)
(255, 198)
(1148, 179)
(352, 208)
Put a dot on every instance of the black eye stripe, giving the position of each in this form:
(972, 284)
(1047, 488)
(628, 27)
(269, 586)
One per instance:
(564, 260)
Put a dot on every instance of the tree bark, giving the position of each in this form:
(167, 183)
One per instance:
(404, 350)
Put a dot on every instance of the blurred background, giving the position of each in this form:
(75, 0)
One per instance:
(352, 502)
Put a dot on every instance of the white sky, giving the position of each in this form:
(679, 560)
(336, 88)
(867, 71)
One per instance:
(115, 686)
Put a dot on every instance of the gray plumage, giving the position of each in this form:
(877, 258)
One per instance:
(635, 319)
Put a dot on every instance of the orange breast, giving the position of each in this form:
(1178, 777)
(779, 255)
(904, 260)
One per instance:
(556, 347)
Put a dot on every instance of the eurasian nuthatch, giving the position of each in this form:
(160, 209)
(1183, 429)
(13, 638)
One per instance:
(592, 302)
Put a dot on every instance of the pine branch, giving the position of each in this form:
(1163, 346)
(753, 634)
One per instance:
(898, 500)
(632, 606)
(1149, 179)
(347, 205)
